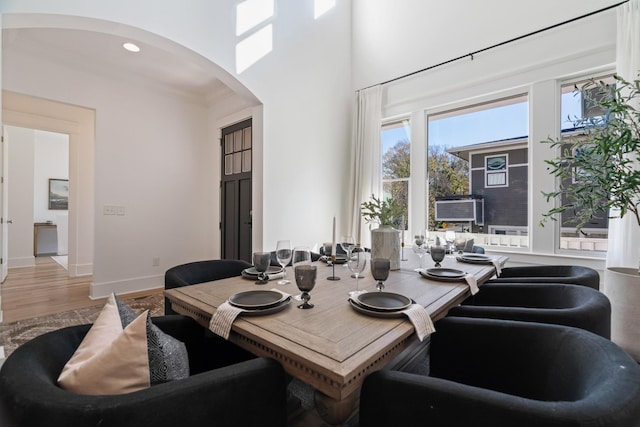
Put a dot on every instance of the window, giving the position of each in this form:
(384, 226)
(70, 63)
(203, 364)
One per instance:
(396, 165)
(576, 111)
(480, 153)
(496, 171)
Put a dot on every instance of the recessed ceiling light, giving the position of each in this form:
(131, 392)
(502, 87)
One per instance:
(131, 47)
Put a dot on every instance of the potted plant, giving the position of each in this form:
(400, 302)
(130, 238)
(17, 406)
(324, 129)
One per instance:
(598, 174)
(385, 240)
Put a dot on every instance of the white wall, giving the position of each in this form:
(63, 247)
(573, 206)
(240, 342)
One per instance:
(51, 160)
(392, 39)
(304, 85)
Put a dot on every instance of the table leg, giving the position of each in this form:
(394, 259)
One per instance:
(335, 412)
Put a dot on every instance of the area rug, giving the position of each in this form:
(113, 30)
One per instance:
(63, 260)
(14, 334)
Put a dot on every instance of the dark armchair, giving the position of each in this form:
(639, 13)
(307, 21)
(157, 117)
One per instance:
(251, 393)
(561, 304)
(575, 274)
(499, 373)
(199, 272)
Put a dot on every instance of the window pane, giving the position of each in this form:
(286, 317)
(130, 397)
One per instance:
(396, 165)
(396, 149)
(237, 140)
(399, 192)
(247, 138)
(576, 106)
(478, 156)
(228, 143)
(246, 161)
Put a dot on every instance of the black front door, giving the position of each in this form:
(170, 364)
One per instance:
(235, 223)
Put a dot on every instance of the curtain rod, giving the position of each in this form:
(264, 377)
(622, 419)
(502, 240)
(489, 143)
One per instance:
(471, 54)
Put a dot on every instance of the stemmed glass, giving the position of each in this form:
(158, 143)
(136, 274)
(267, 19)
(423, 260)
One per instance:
(420, 245)
(283, 255)
(261, 261)
(380, 271)
(450, 238)
(437, 254)
(305, 280)
(356, 262)
(301, 256)
(347, 244)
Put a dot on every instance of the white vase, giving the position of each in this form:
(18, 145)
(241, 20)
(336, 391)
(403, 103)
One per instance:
(622, 287)
(385, 243)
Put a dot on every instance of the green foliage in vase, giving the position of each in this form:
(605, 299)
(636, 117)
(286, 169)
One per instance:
(383, 212)
(600, 169)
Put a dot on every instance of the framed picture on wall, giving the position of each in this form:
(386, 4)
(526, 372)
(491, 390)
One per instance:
(58, 194)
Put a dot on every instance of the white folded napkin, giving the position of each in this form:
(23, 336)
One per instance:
(223, 318)
(473, 283)
(496, 264)
(420, 319)
(275, 276)
(418, 316)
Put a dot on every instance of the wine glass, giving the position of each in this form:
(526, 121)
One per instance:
(437, 254)
(420, 245)
(356, 262)
(283, 255)
(261, 261)
(450, 238)
(347, 244)
(380, 271)
(460, 243)
(301, 256)
(305, 275)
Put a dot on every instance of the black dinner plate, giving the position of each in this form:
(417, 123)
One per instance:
(478, 259)
(383, 301)
(252, 273)
(375, 313)
(268, 310)
(444, 274)
(255, 300)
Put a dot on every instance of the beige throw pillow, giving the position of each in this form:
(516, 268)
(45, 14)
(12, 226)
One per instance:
(111, 359)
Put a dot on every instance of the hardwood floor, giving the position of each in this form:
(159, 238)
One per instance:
(45, 289)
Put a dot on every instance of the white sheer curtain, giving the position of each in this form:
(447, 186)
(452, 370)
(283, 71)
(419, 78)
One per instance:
(624, 234)
(366, 155)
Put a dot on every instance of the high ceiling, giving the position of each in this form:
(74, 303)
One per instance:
(103, 53)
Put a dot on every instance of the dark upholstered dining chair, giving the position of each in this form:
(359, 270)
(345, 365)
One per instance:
(558, 303)
(199, 272)
(250, 393)
(500, 373)
(575, 274)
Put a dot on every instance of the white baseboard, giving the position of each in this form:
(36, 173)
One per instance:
(28, 261)
(102, 290)
(76, 270)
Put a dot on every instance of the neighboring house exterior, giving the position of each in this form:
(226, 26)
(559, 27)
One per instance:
(498, 182)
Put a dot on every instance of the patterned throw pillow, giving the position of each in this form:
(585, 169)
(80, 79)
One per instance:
(168, 358)
(122, 353)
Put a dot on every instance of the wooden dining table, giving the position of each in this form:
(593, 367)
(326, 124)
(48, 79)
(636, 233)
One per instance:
(333, 347)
